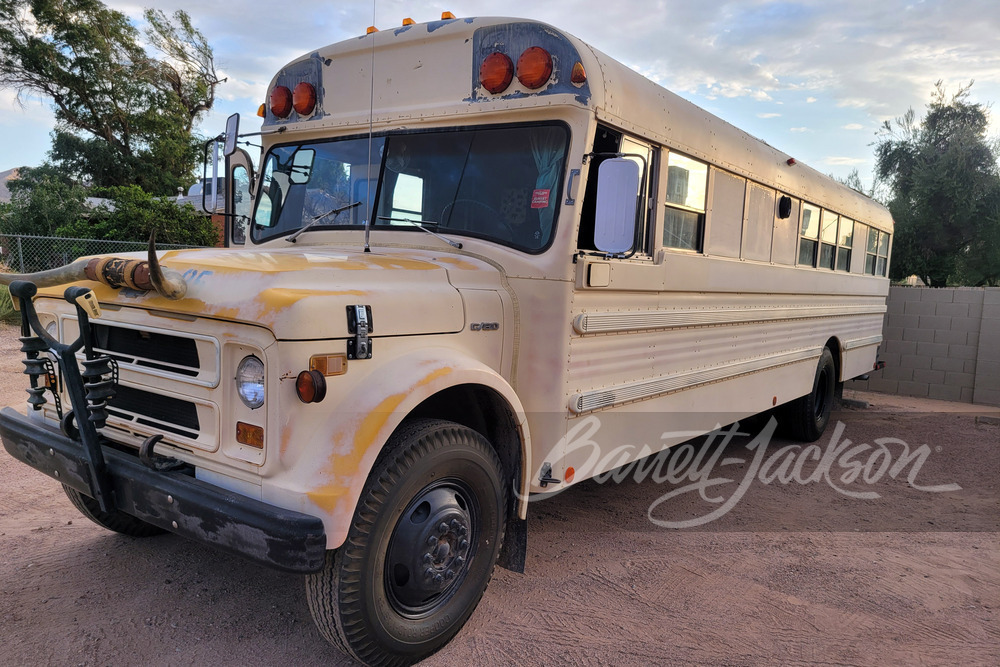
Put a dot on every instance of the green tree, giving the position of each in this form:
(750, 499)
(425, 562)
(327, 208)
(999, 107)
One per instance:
(123, 116)
(41, 200)
(944, 192)
(130, 214)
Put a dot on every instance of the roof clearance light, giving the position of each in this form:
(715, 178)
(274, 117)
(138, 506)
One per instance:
(445, 16)
(371, 29)
(262, 110)
(281, 102)
(534, 67)
(579, 75)
(496, 72)
(408, 21)
(304, 98)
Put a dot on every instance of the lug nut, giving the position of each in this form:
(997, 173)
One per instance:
(432, 540)
(428, 574)
(438, 578)
(463, 545)
(427, 559)
(443, 528)
(460, 561)
(449, 575)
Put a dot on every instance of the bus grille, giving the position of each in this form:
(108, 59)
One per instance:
(165, 413)
(148, 349)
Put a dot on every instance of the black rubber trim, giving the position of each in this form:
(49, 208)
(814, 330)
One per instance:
(282, 539)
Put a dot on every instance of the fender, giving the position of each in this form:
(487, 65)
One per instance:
(327, 478)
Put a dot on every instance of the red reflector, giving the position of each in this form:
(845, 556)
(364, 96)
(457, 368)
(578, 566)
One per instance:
(310, 386)
(281, 102)
(496, 72)
(570, 474)
(534, 67)
(304, 99)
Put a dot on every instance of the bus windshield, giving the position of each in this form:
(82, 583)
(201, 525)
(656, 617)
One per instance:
(501, 184)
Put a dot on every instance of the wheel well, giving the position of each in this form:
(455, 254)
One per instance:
(833, 344)
(484, 411)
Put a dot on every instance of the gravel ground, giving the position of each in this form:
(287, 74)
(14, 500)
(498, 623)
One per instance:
(797, 572)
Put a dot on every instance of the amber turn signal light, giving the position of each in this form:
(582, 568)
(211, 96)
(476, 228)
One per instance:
(496, 72)
(534, 67)
(250, 435)
(310, 386)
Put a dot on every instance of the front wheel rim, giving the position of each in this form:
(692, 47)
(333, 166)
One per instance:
(431, 549)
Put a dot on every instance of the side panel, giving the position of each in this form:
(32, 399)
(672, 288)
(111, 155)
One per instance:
(711, 342)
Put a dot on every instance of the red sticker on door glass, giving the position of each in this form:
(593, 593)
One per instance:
(540, 199)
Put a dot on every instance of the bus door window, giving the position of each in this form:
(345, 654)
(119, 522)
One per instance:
(607, 144)
(643, 155)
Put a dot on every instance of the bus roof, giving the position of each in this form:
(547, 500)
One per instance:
(430, 72)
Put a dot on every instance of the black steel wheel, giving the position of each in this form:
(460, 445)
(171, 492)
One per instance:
(119, 522)
(806, 417)
(421, 548)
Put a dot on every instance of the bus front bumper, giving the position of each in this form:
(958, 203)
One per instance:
(278, 538)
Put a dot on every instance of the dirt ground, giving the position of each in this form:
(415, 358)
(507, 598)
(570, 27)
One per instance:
(798, 571)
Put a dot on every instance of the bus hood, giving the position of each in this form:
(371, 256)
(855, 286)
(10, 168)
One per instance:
(303, 293)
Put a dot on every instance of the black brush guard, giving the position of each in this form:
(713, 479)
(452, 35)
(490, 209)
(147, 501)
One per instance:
(156, 490)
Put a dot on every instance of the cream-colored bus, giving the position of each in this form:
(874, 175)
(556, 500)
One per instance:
(465, 239)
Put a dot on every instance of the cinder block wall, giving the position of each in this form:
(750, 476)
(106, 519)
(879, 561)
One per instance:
(940, 343)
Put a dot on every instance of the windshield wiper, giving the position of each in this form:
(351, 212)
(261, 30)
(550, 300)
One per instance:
(335, 211)
(419, 224)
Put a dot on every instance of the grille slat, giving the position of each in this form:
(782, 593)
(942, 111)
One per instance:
(149, 349)
(165, 412)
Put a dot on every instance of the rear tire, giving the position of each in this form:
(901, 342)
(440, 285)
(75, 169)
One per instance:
(806, 417)
(119, 522)
(421, 548)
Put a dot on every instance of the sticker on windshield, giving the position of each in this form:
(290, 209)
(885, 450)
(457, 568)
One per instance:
(540, 199)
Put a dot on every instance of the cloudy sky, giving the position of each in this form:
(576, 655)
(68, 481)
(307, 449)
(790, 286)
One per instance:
(813, 78)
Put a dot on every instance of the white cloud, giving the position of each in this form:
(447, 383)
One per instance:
(863, 59)
(769, 115)
(853, 126)
(845, 161)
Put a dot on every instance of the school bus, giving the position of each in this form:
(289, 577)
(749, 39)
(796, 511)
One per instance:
(463, 238)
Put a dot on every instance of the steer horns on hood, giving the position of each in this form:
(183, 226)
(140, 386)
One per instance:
(112, 271)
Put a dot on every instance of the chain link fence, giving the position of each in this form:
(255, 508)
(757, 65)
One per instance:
(27, 254)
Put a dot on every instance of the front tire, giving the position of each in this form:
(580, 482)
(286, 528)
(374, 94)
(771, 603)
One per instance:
(118, 521)
(421, 548)
(807, 416)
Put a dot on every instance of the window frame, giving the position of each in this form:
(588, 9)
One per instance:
(700, 214)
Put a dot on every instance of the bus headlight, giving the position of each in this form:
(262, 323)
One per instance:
(250, 382)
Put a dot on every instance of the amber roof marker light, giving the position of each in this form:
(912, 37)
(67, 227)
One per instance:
(534, 67)
(496, 72)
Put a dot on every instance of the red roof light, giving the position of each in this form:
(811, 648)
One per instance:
(281, 102)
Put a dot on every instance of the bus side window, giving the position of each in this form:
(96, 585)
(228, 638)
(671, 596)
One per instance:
(684, 218)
